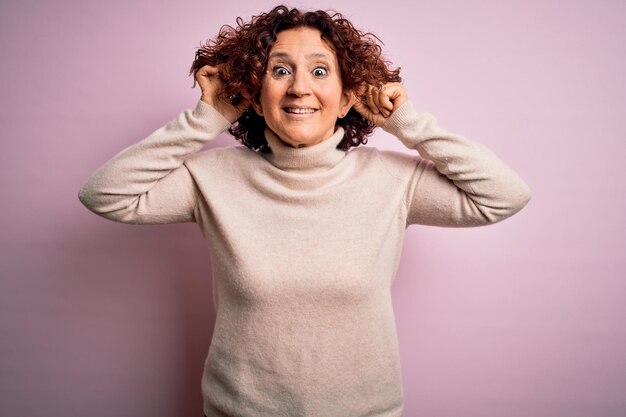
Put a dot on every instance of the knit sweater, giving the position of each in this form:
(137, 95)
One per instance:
(304, 244)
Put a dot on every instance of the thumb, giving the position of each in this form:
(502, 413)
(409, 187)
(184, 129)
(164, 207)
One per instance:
(204, 74)
(208, 70)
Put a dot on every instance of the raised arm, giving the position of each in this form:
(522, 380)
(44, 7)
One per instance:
(456, 182)
(147, 182)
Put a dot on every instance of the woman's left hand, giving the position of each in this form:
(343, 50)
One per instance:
(380, 102)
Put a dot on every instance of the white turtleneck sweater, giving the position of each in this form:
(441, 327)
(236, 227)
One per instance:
(304, 244)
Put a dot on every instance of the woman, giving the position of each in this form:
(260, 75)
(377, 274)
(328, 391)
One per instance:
(305, 233)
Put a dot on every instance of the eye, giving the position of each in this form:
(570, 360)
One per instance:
(320, 72)
(280, 71)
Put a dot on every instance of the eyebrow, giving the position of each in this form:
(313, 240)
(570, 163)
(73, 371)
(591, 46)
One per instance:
(286, 55)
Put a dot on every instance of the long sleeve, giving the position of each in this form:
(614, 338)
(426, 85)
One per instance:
(147, 182)
(457, 182)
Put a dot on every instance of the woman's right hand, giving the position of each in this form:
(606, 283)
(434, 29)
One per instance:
(213, 94)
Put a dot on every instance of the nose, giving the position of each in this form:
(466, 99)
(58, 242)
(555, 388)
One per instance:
(299, 84)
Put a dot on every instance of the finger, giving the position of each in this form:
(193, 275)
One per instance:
(209, 70)
(375, 92)
(206, 72)
(365, 111)
(371, 101)
(362, 108)
(381, 101)
(399, 96)
(385, 101)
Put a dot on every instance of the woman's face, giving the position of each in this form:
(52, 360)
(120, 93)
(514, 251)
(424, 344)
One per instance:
(302, 94)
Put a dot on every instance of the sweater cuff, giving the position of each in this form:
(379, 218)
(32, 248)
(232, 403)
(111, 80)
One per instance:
(209, 114)
(408, 125)
(400, 118)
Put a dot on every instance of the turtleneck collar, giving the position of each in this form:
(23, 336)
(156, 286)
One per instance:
(321, 156)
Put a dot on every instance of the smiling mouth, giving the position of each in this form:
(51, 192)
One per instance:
(295, 110)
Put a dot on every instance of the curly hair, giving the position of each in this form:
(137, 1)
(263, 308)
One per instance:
(242, 54)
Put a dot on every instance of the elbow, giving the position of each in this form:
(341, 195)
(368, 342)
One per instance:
(93, 199)
(527, 195)
(506, 206)
(516, 201)
(522, 197)
(109, 205)
(85, 196)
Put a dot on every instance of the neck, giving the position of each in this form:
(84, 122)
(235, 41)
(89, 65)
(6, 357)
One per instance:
(321, 156)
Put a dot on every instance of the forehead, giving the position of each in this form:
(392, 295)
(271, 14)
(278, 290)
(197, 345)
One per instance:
(301, 42)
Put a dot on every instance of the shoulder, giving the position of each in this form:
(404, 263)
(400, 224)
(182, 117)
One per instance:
(220, 157)
(226, 152)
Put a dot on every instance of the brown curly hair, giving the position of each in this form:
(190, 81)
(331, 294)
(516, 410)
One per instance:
(243, 53)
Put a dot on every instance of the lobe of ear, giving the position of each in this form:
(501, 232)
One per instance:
(347, 101)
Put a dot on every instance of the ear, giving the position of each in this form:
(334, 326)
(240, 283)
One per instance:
(348, 98)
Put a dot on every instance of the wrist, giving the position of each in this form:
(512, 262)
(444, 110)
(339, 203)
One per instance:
(206, 111)
(402, 115)
(218, 106)
(207, 100)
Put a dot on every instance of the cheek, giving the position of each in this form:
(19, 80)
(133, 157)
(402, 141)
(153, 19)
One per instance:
(332, 104)
(333, 95)
(271, 91)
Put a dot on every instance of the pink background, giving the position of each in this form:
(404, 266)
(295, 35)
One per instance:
(522, 318)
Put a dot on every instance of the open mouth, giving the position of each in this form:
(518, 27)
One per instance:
(297, 110)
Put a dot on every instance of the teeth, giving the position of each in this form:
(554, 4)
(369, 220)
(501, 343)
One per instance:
(299, 111)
